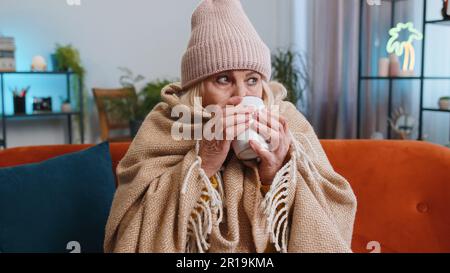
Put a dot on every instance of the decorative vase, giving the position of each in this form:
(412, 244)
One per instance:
(377, 135)
(38, 64)
(66, 107)
(446, 10)
(383, 67)
(394, 66)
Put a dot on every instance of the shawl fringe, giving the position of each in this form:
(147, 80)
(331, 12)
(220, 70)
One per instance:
(200, 221)
(274, 204)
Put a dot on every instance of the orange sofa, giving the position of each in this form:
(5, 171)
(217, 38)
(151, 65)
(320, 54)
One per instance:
(402, 187)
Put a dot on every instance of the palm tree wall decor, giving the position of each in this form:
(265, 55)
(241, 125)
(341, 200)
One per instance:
(405, 48)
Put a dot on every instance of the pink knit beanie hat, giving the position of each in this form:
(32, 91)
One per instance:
(222, 38)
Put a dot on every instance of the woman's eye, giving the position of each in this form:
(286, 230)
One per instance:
(252, 81)
(222, 79)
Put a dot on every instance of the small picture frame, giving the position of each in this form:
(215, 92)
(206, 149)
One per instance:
(42, 104)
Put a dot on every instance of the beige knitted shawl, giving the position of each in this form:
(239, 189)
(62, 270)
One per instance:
(165, 202)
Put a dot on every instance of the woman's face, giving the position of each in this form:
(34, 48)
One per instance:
(219, 88)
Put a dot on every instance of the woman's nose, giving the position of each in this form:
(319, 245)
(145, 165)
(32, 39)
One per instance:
(240, 90)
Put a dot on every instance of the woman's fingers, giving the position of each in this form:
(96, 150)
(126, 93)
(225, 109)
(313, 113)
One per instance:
(270, 119)
(231, 124)
(279, 141)
(284, 125)
(217, 127)
(230, 121)
(269, 134)
(264, 154)
(237, 110)
(232, 132)
(231, 118)
(230, 128)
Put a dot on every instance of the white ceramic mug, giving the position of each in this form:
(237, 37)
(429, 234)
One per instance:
(241, 145)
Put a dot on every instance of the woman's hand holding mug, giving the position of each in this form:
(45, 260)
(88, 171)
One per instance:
(267, 140)
(233, 121)
(274, 129)
(261, 135)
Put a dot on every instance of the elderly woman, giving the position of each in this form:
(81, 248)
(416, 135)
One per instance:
(193, 194)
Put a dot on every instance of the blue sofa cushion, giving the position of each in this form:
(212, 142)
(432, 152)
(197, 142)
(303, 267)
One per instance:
(58, 205)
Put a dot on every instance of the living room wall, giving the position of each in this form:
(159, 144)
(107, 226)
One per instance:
(147, 36)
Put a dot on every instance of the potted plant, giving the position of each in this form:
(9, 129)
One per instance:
(148, 98)
(128, 79)
(135, 110)
(291, 69)
(67, 59)
(444, 103)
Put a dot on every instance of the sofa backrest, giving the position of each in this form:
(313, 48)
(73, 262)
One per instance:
(403, 192)
(402, 188)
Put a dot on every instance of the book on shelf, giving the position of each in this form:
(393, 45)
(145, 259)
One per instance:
(7, 54)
